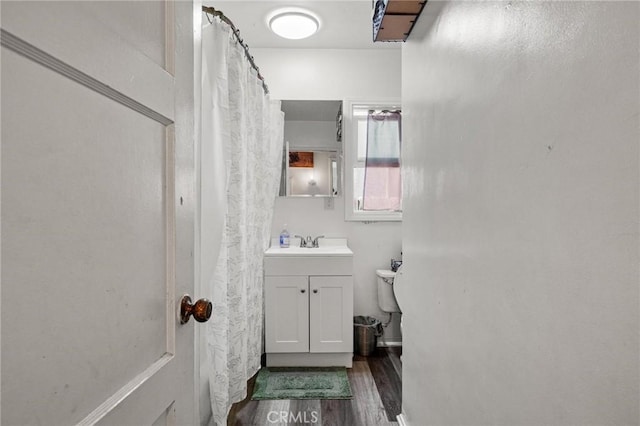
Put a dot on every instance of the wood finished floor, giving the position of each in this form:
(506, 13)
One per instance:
(377, 397)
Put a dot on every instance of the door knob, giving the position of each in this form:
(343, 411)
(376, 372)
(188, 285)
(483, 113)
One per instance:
(201, 310)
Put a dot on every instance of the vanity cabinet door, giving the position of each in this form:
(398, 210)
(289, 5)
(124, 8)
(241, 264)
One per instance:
(331, 313)
(286, 314)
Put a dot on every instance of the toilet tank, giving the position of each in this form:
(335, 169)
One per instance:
(386, 297)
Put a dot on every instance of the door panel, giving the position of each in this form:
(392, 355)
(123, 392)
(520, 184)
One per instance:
(76, 212)
(286, 314)
(166, 418)
(68, 35)
(331, 312)
(89, 250)
(142, 23)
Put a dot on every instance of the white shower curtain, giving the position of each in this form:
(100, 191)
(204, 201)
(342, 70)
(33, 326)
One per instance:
(242, 134)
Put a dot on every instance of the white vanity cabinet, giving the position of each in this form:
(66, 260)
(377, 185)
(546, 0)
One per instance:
(308, 307)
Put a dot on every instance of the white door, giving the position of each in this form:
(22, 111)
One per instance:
(330, 314)
(97, 212)
(286, 301)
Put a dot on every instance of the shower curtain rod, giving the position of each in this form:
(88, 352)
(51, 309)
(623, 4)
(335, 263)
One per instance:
(236, 33)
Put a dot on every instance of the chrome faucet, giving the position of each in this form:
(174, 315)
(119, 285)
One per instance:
(315, 241)
(309, 242)
(303, 243)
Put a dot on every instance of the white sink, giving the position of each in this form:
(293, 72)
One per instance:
(328, 247)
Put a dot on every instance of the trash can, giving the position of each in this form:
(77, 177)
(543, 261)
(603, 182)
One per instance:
(366, 331)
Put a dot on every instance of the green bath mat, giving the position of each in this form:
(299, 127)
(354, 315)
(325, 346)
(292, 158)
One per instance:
(302, 383)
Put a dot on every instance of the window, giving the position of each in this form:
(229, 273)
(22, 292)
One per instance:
(380, 173)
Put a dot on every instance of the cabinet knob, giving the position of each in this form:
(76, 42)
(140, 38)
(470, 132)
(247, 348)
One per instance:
(302, 290)
(315, 290)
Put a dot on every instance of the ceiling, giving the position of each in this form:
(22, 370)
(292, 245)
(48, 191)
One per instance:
(344, 24)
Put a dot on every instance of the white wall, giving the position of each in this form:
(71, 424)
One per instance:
(520, 230)
(334, 74)
(330, 74)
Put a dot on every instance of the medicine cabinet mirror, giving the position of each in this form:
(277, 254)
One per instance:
(312, 152)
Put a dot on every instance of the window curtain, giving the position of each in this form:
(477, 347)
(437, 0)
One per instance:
(382, 182)
(241, 149)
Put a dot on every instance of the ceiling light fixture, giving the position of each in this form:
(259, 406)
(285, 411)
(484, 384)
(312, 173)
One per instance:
(294, 24)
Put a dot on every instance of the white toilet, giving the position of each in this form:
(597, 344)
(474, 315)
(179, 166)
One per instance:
(387, 281)
(389, 284)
